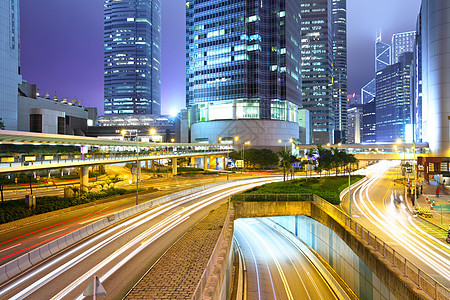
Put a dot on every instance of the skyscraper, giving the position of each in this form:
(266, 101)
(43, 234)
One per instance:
(339, 35)
(132, 56)
(402, 42)
(435, 41)
(382, 55)
(317, 75)
(393, 101)
(9, 62)
(243, 70)
(368, 92)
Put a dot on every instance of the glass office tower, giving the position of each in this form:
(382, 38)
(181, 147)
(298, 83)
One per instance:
(132, 57)
(9, 62)
(242, 63)
(435, 54)
(382, 55)
(317, 75)
(393, 101)
(339, 29)
(402, 42)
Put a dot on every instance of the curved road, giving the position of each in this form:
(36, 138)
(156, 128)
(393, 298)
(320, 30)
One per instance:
(121, 254)
(378, 205)
(277, 268)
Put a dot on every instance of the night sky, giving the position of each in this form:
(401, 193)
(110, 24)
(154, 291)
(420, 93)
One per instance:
(62, 45)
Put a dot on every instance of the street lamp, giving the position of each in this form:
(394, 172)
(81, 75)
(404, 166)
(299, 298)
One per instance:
(123, 132)
(247, 143)
(291, 140)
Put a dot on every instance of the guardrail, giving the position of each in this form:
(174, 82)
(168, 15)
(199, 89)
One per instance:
(272, 197)
(421, 279)
(34, 257)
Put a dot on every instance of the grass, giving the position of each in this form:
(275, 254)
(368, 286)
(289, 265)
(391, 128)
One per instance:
(329, 188)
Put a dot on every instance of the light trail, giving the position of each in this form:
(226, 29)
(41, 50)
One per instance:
(395, 226)
(119, 231)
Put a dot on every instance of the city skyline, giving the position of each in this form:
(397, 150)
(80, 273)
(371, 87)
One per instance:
(58, 61)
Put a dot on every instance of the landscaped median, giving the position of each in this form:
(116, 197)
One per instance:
(328, 188)
(15, 209)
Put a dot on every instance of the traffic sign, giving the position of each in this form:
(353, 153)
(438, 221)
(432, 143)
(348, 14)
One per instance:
(94, 290)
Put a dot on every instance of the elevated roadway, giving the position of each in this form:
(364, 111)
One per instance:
(375, 151)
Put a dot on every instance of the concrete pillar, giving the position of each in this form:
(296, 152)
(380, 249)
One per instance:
(193, 161)
(174, 166)
(146, 164)
(224, 163)
(205, 163)
(48, 173)
(213, 163)
(84, 178)
(152, 164)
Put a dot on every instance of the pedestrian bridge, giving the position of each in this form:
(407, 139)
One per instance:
(86, 151)
(376, 151)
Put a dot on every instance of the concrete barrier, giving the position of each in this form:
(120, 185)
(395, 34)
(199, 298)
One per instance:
(76, 236)
(89, 229)
(83, 232)
(24, 262)
(62, 242)
(3, 276)
(12, 268)
(35, 257)
(53, 247)
(44, 251)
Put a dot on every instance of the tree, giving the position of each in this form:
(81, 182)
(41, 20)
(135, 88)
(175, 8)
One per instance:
(112, 180)
(286, 161)
(2, 125)
(3, 181)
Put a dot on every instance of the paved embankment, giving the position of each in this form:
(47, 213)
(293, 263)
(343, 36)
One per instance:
(177, 273)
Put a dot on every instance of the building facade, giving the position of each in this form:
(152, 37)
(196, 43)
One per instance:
(243, 70)
(132, 57)
(317, 76)
(382, 55)
(9, 62)
(435, 41)
(369, 122)
(416, 77)
(355, 128)
(45, 115)
(339, 34)
(402, 42)
(393, 104)
(368, 92)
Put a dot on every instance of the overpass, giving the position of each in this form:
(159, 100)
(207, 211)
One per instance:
(375, 151)
(94, 151)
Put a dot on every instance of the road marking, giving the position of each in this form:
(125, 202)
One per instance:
(10, 247)
(50, 233)
(384, 198)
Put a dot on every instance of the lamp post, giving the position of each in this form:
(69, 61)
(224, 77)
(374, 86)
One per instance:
(247, 143)
(123, 132)
(137, 166)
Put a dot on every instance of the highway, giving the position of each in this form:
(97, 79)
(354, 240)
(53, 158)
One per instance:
(121, 254)
(14, 243)
(276, 267)
(378, 205)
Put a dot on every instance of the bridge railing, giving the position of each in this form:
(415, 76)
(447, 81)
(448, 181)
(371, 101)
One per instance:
(33, 159)
(421, 279)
